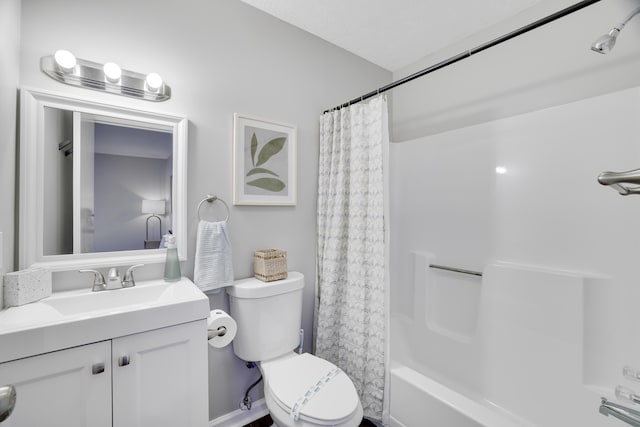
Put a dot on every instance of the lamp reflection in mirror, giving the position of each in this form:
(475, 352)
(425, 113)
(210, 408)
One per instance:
(155, 208)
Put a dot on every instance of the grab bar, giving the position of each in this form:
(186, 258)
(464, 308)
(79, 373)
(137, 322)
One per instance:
(456, 270)
(628, 415)
(616, 179)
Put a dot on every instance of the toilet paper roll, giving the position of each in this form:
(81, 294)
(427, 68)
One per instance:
(218, 322)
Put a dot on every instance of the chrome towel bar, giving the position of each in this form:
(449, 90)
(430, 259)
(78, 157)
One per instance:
(456, 270)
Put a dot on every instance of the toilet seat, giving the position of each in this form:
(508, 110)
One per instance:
(329, 403)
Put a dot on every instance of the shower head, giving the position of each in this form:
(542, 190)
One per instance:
(605, 43)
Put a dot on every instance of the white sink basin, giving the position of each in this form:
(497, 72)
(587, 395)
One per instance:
(73, 318)
(117, 300)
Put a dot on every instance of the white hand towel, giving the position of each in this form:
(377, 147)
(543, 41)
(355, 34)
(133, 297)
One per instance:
(213, 267)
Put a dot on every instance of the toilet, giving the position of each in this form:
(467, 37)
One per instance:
(301, 390)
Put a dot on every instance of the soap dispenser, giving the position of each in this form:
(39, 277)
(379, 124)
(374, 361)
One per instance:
(172, 263)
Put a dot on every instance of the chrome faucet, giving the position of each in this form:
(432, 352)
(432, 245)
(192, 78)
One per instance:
(98, 280)
(628, 415)
(128, 280)
(113, 279)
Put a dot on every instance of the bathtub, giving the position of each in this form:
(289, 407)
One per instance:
(417, 400)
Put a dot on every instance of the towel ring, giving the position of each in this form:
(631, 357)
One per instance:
(210, 198)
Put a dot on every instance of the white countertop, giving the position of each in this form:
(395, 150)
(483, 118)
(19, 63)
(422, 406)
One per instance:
(72, 318)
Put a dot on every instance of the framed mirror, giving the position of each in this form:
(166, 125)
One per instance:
(100, 184)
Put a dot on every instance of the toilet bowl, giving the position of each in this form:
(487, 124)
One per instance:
(301, 390)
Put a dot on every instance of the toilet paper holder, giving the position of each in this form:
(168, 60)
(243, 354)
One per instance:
(220, 332)
(221, 329)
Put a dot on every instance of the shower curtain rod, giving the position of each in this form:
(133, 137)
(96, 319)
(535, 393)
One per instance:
(466, 54)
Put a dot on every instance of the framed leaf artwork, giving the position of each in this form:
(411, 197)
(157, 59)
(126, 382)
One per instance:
(264, 162)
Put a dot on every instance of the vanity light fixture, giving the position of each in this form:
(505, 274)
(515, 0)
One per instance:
(64, 67)
(112, 72)
(65, 61)
(153, 82)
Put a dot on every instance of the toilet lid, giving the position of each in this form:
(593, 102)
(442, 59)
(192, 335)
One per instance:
(291, 379)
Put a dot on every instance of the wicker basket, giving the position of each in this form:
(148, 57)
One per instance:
(270, 264)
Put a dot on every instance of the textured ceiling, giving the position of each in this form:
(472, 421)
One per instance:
(392, 34)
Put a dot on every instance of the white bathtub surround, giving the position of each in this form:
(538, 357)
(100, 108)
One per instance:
(531, 349)
(551, 324)
(352, 308)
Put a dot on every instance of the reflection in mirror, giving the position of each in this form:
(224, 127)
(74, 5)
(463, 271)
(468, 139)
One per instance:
(116, 169)
(99, 184)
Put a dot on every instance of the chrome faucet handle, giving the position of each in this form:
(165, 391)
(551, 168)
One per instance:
(129, 281)
(98, 280)
(113, 279)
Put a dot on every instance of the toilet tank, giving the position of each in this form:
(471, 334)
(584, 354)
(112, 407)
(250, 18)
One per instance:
(268, 314)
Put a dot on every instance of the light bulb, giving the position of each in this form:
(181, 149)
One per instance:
(112, 71)
(154, 81)
(65, 60)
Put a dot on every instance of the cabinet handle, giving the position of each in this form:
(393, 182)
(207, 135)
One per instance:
(7, 401)
(98, 368)
(124, 360)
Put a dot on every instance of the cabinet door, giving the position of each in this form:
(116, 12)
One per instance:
(160, 378)
(64, 388)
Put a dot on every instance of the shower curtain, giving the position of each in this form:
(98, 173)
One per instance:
(352, 290)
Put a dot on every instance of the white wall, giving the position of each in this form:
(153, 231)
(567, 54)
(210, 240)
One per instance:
(551, 65)
(219, 57)
(9, 70)
(547, 211)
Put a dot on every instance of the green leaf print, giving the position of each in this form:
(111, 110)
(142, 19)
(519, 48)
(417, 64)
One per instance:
(269, 184)
(254, 148)
(270, 149)
(261, 170)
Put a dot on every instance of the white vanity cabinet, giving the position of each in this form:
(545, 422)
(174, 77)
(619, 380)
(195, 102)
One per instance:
(156, 378)
(160, 378)
(61, 388)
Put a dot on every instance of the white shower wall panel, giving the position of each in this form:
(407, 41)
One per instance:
(544, 211)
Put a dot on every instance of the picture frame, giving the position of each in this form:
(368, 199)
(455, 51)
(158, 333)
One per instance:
(264, 162)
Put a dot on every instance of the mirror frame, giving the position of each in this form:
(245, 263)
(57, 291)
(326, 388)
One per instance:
(31, 196)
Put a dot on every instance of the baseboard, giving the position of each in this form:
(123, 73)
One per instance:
(239, 418)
